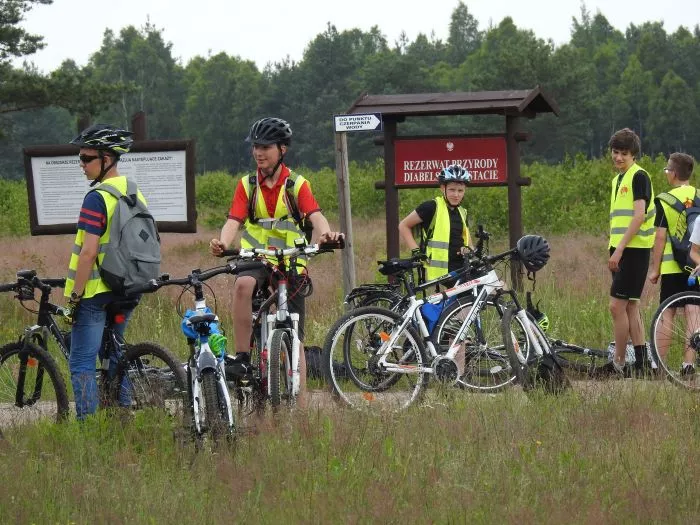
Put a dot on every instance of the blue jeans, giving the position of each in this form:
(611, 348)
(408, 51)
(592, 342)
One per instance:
(86, 345)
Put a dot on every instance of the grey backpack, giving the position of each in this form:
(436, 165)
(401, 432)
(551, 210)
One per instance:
(132, 255)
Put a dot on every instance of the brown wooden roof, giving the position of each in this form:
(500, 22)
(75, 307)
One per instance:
(526, 103)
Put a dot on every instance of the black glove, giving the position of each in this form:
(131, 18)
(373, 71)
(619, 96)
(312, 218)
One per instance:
(417, 255)
(70, 312)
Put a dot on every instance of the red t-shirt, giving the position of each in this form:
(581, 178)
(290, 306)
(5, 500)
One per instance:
(239, 205)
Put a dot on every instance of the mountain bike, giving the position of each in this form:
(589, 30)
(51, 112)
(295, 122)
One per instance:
(135, 376)
(486, 366)
(389, 356)
(208, 399)
(675, 339)
(275, 344)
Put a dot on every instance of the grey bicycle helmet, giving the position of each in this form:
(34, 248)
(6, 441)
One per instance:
(104, 137)
(270, 130)
(533, 252)
(454, 173)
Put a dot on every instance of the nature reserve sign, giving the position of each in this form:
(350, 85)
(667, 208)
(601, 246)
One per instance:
(420, 160)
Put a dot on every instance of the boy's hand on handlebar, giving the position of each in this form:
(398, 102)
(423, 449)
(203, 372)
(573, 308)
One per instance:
(216, 247)
(330, 237)
(417, 255)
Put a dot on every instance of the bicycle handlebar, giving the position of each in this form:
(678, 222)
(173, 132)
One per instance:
(196, 276)
(309, 249)
(29, 278)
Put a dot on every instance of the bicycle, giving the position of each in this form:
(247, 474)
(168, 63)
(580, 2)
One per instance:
(135, 376)
(387, 359)
(675, 339)
(208, 399)
(275, 344)
(486, 364)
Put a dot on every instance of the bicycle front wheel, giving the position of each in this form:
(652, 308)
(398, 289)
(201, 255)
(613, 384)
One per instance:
(486, 364)
(149, 376)
(675, 339)
(356, 373)
(280, 379)
(31, 386)
(215, 410)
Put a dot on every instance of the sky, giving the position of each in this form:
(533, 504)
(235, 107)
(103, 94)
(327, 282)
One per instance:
(270, 31)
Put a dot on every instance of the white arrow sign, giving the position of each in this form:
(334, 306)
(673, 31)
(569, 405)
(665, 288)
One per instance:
(365, 122)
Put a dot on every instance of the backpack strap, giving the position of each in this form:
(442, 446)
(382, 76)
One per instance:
(131, 196)
(673, 201)
(291, 200)
(252, 197)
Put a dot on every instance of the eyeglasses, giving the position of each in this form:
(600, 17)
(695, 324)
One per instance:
(87, 159)
(668, 170)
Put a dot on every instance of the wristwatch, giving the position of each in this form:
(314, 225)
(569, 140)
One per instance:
(74, 297)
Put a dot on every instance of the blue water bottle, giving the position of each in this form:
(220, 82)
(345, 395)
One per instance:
(692, 279)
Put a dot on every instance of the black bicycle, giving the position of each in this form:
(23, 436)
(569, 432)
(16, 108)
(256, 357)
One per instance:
(134, 376)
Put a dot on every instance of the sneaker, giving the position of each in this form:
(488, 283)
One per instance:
(609, 371)
(687, 371)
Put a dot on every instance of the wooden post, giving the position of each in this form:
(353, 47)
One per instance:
(138, 125)
(391, 193)
(83, 122)
(515, 219)
(344, 211)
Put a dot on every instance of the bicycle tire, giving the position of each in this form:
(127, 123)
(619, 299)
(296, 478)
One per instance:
(542, 372)
(383, 299)
(149, 376)
(31, 385)
(279, 358)
(671, 340)
(352, 369)
(486, 364)
(217, 423)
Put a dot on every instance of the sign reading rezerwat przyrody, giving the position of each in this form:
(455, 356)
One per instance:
(56, 186)
(360, 122)
(419, 160)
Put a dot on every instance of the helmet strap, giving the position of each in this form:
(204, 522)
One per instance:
(279, 163)
(103, 170)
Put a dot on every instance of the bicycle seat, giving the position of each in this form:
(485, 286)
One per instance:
(394, 266)
(121, 306)
(202, 318)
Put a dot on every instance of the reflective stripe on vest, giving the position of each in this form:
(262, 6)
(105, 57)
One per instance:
(437, 247)
(668, 262)
(622, 211)
(95, 285)
(278, 231)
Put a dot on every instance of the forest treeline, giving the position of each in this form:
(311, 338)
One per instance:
(602, 79)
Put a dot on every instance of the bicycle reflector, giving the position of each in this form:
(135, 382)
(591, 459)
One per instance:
(119, 318)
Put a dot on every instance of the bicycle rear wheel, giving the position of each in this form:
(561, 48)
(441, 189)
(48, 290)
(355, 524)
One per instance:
(353, 369)
(486, 364)
(675, 338)
(31, 386)
(533, 371)
(149, 376)
(578, 359)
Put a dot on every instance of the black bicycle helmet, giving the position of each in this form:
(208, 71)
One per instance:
(270, 130)
(104, 137)
(533, 252)
(454, 173)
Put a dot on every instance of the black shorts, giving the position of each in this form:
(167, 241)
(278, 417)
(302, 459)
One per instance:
(628, 281)
(673, 283)
(297, 300)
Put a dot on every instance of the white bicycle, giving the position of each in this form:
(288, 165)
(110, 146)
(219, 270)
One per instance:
(388, 357)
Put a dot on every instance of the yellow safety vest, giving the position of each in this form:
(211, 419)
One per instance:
(278, 231)
(437, 247)
(622, 211)
(95, 285)
(684, 194)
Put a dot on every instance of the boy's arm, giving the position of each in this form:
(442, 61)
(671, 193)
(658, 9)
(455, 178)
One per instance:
(657, 254)
(411, 220)
(632, 229)
(695, 255)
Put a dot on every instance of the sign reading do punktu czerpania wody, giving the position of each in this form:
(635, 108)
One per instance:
(367, 122)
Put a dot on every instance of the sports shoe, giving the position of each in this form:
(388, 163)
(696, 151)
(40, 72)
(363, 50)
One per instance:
(609, 371)
(687, 371)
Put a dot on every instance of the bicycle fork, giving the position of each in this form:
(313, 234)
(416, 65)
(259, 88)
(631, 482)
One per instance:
(205, 360)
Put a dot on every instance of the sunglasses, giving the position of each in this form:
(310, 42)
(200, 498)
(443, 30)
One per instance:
(668, 170)
(87, 159)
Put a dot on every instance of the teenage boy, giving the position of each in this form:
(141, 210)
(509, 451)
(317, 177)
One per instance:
(631, 239)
